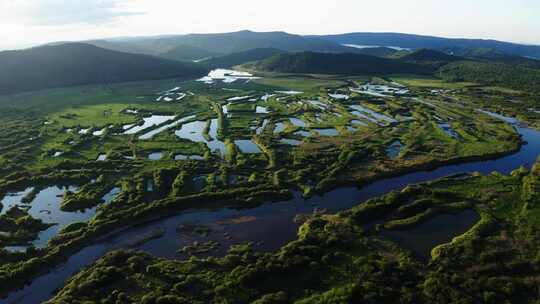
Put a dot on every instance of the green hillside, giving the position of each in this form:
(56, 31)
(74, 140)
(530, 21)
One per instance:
(223, 43)
(499, 74)
(77, 64)
(188, 53)
(340, 64)
(241, 57)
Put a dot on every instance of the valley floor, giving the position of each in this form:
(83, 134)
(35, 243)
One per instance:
(83, 165)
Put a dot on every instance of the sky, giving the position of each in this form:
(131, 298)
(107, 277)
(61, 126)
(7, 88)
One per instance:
(26, 23)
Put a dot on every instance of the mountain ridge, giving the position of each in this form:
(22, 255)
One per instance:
(72, 64)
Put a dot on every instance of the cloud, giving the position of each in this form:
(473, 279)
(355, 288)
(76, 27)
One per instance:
(62, 12)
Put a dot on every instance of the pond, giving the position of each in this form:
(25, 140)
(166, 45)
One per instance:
(192, 131)
(438, 230)
(233, 179)
(153, 120)
(298, 122)
(317, 104)
(149, 185)
(359, 122)
(13, 199)
(107, 198)
(279, 127)
(155, 156)
(261, 110)
(260, 129)
(394, 149)
(46, 207)
(327, 132)
(253, 225)
(226, 76)
(126, 127)
(199, 182)
(339, 96)
(238, 98)
(247, 146)
(302, 133)
(380, 90)
(99, 132)
(447, 128)
(102, 157)
(265, 97)
(291, 142)
(368, 118)
(291, 92)
(378, 116)
(154, 132)
(188, 157)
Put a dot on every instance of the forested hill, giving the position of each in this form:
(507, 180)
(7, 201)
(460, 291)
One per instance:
(241, 57)
(220, 43)
(429, 58)
(496, 74)
(341, 64)
(78, 63)
(188, 53)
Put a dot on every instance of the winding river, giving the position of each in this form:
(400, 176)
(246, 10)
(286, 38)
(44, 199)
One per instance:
(268, 226)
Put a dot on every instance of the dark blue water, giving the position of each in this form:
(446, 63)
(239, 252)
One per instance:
(438, 230)
(269, 226)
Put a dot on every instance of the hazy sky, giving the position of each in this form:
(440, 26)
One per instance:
(30, 22)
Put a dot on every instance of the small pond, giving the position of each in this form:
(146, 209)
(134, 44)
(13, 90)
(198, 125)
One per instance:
(102, 157)
(438, 230)
(279, 127)
(327, 132)
(394, 149)
(155, 156)
(359, 122)
(376, 115)
(339, 96)
(226, 76)
(154, 132)
(247, 146)
(291, 142)
(261, 110)
(153, 120)
(302, 133)
(298, 122)
(447, 128)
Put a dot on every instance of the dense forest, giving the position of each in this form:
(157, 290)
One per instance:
(230, 60)
(341, 64)
(497, 74)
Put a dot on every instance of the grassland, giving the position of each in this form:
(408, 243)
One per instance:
(429, 82)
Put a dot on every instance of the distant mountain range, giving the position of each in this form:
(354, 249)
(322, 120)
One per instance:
(188, 56)
(417, 41)
(223, 43)
(227, 43)
(78, 63)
